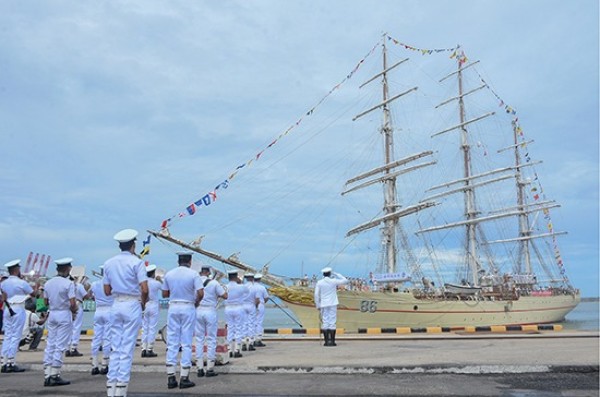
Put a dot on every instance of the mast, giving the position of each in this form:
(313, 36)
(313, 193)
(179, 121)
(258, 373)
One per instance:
(523, 218)
(390, 205)
(469, 194)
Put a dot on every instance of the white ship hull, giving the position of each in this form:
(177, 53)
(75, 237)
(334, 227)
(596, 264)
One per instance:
(401, 309)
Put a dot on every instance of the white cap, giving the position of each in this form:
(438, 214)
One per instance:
(249, 275)
(257, 276)
(150, 268)
(232, 272)
(64, 261)
(12, 263)
(326, 270)
(126, 235)
(181, 253)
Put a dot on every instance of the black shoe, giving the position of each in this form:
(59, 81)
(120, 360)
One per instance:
(75, 353)
(200, 373)
(68, 353)
(244, 348)
(211, 373)
(56, 380)
(47, 381)
(144, 353)
(104, 370)
(259, 344)
(14, 368)
(172, 382)
(237, 355)
(251, 347)
(5, 367)
(150, 353)
(185, 382)
(95, 371)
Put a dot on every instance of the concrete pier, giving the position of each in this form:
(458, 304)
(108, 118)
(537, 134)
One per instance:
(444, 358)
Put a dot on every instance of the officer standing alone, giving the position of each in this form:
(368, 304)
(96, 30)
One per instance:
(184, 289)
(59, 297)
(326, 301)
(150, 315)
(206, 323)
(15, 292)
(124, 279)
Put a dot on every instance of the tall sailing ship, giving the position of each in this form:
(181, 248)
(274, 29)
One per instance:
(482, 292)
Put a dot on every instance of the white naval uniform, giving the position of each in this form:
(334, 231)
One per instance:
(58, 291)
(234, 313)
(263, 296)
(182, 284)
(249, 313)
(102, 323)
(326, 299)
(150, 315)
(124, 273)
(80, 293)
(17, 291)
(206, 321)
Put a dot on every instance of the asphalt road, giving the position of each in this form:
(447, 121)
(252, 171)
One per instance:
(153, 384)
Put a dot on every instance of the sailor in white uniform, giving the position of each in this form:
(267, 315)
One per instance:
(206, 323)
(263, 297)
(102, 326)
(125, 280)
(326, 301)
(59, 297)
(250, 304)
(150, 315)
(80, 295)
(184, 289)
(234, 312)
(15, 292)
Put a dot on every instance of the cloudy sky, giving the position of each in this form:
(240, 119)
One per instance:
(120, 114)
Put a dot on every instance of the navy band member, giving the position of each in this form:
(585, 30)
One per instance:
(206, 323)
(15, 291)
(263, 297)
(326, 301)
(234, 312)
(59, 297)
(150, 315)
(102, 326)
(124, 279)
(80, 295)
(184, 289)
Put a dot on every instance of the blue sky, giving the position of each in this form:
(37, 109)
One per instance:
(120, 114)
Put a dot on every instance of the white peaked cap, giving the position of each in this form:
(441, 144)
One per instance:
(249, 275)
(326, 270)
(180, 253)
(257, 276)
(232, 272)
(150, 268)
(12, 263)
(126, 235)
(64, 261)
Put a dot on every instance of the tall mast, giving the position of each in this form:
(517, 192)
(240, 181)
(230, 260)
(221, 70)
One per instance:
(523, 218)
(469, 194)
(390, 205)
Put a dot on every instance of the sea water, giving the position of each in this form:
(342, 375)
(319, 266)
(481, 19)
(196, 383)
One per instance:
(585, 317)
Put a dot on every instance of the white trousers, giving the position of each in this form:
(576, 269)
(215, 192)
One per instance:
(59, 325)
(102, 331)
(206, 332)
(13, 329)
(149, 324)
(250, 319)
(328, 317)
(77, 321)
(260, 319)
(181, 319)
(127, 318)
(234, 315)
